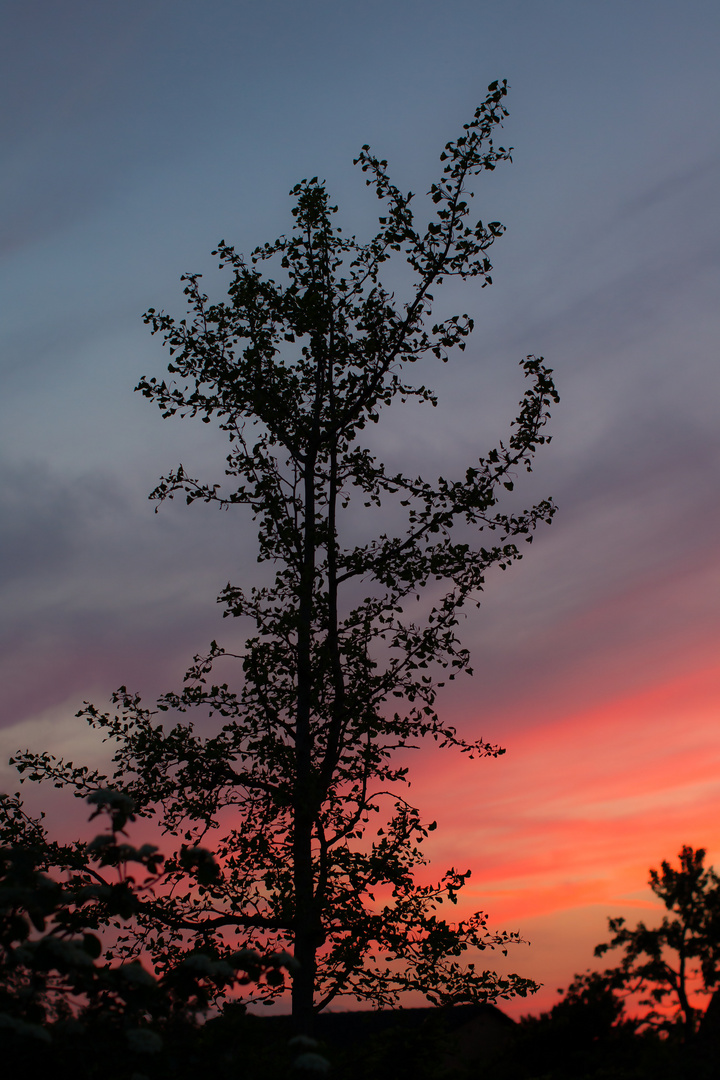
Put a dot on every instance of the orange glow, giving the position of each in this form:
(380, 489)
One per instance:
(561, 832)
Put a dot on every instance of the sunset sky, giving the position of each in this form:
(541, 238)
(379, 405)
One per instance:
(137, 135)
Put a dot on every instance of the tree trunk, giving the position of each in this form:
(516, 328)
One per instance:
(303, 990)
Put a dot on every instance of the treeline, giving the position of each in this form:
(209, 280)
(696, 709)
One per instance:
(70, 1008)
(656, 1012)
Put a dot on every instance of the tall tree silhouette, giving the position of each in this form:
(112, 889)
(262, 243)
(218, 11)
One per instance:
(343, 664)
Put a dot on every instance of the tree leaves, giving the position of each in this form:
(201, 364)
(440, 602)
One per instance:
(681, 957)
(293, 368)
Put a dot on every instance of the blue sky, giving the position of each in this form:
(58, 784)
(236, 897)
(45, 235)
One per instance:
(135, 136)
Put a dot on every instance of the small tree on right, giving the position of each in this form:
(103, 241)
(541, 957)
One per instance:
(668, 966)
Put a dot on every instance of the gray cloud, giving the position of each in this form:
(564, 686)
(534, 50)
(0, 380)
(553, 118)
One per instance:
(668, 188)
(97, 589)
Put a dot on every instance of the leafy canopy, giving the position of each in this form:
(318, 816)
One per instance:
(342, 664)
(670, 964)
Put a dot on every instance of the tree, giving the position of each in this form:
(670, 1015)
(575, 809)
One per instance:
(63, 1009)
(343, 663)
(585, 1034)
(667, 965)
